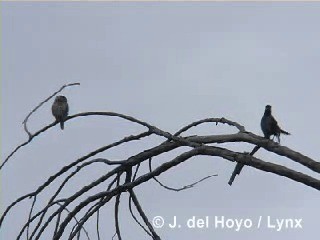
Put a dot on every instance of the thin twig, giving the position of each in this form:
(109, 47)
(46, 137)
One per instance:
(35, 217)
(79, 224)
(114, 236)
(135, 218)
(41, 103)
(87, 215)
(98, 216)
(116, 211)
(57, 223)
(130, 204)
(98, 160)
(143, 215)
(207, 120)
(30, 214)
(136, 172)
(198, 147)
(83, 228)
(204, 150)
(182, 188)
(67, 167)
(107, 114)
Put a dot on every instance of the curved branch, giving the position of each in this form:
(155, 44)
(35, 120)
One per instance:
(98, 224)
(167, 146)
(307, 180)
(181, 188)
(116, 216)
(135, 218)
(107, 114)
(83, 228)
(62, 185)
(249, 160)
(88, 214)
(142, 214)
(207, 120)
(67, 167)
(199, 146)
(40, 104)
(267, 144)
(30, 214)
(91, 211)
(204, 150)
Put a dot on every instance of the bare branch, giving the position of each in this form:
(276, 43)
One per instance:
(43, 102)
(116, 212)
(79, 224)
(108, 114)
(33, 218)
(181, 188)
(98, 217)
(142, 214)
(136, 172)
(262, 142)
(246, 159)
(87, 201)
(135, 218)
(85, 231)
(216, 120)
(91, 211)
(30, 214)
(130, 203)
(88, 214)
(67, 167)
(204, 150)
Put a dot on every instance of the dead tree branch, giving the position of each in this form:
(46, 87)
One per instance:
(181, 188)
(43, 102)
(86, 201)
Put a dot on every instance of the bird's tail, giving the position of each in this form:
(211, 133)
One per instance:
(236, 172)
(62, 125)
(284, 132)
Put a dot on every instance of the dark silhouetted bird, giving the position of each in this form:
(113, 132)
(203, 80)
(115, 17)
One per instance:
(270, 126)
(60, 109)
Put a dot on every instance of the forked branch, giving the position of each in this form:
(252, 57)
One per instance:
(86, 201)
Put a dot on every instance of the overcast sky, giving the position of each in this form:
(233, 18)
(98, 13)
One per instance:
(168, 64)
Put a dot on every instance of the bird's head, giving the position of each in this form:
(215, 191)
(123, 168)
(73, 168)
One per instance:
(61, 99)
(267, 109)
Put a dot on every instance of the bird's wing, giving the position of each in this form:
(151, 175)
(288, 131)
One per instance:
(55, 110)
(67, 108)
(274, 125)
(273, 122)
(64, 108)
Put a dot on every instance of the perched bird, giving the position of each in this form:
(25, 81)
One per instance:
(270, 126)
(60, 109)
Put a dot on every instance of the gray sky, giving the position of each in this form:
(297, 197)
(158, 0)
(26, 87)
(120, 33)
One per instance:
(168, 64)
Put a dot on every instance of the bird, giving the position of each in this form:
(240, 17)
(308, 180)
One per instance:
(269, 125)
(60, 109)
